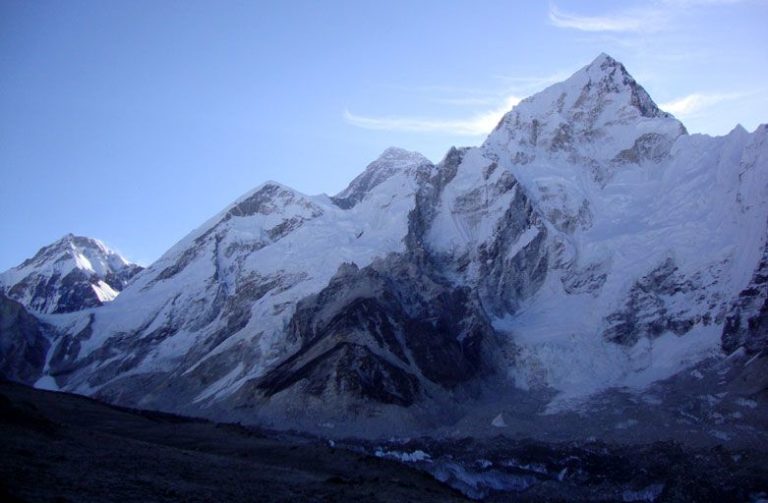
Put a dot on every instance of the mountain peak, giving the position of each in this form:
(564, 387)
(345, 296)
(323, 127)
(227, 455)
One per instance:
(268, 198)
(599, 105)
(604, 60)
(605, 67)
(392, 161)
(70, 239)
(71, 245)
(602, 82)
(608, 75)
(72, 273)
(395, 154)
(603, 57)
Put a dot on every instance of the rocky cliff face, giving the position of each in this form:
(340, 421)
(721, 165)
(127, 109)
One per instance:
(746, 325)
(589, 243)
(23, 343)
(69, 275)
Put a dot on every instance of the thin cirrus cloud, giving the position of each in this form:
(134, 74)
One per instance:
(475, 125)
(701, 3)
(635, 20)
(654, 18)
(695, 103)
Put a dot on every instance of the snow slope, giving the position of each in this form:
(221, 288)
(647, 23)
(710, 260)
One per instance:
(225, 294)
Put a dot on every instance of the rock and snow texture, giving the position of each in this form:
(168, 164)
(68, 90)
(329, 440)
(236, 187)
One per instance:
(589, 243)
(69, 275)
(23, 343)
(653, 232)
(216, 310)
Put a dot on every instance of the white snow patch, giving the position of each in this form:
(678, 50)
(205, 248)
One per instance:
(47, 382)
(406, 457)
(524, 240)
(104, 292)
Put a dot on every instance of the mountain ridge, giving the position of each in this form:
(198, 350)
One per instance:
(573, 252)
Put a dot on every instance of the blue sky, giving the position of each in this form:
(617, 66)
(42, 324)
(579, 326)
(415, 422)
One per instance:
(135, 121)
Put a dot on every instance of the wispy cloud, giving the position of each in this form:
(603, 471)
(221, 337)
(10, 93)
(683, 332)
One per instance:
(654, 17)
(634, 20)
(475, 125)
(697, 102)
(699, 3)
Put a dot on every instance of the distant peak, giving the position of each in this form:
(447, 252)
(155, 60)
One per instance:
(71, 242)
(66, 239)
(72, 273)
(272, 185)
(395, 151)
(72, 238)
(400, 154)
(265, 199)
(391, 162)
(738, 130)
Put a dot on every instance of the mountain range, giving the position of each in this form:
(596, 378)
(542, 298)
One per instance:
(589, 257)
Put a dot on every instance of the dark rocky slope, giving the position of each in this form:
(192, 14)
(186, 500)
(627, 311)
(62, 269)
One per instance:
(23, 343)
(61, 447)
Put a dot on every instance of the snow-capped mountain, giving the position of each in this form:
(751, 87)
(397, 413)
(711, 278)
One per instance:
(590, 243)
(69, 275)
